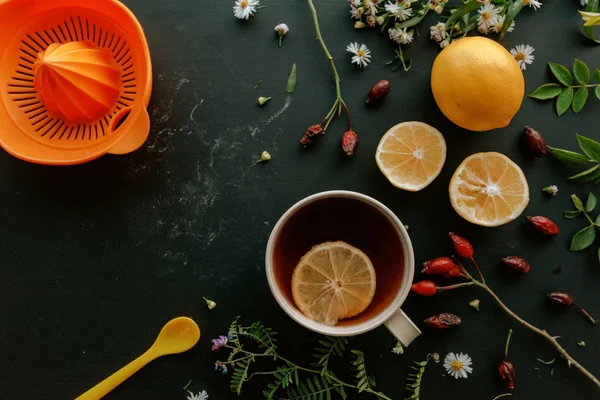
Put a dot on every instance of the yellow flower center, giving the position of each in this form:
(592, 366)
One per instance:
(360, 53)
(457, 365)
(520, 57)
(244, 3)
(485, 15)
(526, 2)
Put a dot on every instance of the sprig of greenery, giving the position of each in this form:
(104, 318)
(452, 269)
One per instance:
(413, 382)
(364, 381)
(291, 381)
(567, 94)
(591, 154)
(585, 237)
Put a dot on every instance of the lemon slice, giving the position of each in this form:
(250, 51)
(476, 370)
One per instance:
(411, 155)
(489, 189)
(333, 281)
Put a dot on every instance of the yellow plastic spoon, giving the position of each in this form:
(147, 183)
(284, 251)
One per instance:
(178, 335)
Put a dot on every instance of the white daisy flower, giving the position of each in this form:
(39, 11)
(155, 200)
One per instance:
(244, 9)
(458, 365)
(438, 32)
(399, 11)
(362, 55)
(200, 396)
(497, 28)
(371, 7)
(400, 36)
(488, 17)
(533, 3)
(523, 54)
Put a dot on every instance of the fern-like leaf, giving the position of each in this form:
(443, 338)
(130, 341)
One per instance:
(413, 382)
(316, 388)
(329, 347)
(240, 374)
(263, 336)
(364, 381)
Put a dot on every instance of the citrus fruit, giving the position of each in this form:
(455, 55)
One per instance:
(333, 281)
(489, 189)
(411, 155)
(477, 84)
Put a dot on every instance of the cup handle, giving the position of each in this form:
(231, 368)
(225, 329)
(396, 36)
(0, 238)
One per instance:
(402, 328)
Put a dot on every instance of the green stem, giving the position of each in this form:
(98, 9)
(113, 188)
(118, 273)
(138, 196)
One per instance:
(540, 332)
(336, 76)
(588, 218)
(507, 343)
(586, 86)
(451, 287)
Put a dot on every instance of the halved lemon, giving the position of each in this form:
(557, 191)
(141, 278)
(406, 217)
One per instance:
(411, 155)
(489, 189)
(333, 281)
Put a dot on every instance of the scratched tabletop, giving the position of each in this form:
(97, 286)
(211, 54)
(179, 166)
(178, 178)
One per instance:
(97, 257)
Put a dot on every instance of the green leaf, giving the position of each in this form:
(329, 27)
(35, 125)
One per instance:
(568, 157)
(561, 73)
(597, 75)
(592, 6)
(547, 91)
(581, 72)
(587, 175)
(547, 362)
(511, 13)
(291, 82)
(590, 147)
(577, 202)
(466, 8)
(571, 214)
(583, 239)
(564, 101)
(591, 203)
(597, 91)
(581, 96)
(598, 220)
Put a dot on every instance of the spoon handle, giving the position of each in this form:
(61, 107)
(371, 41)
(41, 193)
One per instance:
(104, 387)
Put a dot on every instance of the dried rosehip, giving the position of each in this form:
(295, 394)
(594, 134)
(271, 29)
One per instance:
(311, 132)
(349, 142)
(535, 142)
(517, 264)
(424, 288)
(443, 321)
(507, 373)
(561, 298)
(438, 266)
(544, 225)
(378, 92)
(461, 245)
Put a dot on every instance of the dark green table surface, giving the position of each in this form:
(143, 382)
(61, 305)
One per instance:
(96, 258)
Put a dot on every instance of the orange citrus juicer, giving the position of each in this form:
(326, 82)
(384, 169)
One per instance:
(178, 335)
(75, 80)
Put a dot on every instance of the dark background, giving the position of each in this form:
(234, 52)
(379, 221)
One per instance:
(96, 258)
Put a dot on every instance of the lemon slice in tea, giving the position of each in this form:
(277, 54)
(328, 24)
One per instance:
(333, 281)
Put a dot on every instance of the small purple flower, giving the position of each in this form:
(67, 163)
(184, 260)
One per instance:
(220, 366)
(219, 342)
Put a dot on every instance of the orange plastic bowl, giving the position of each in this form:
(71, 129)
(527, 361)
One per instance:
(75, 80)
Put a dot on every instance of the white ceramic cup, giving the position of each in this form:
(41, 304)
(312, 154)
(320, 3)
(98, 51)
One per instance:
(389, 315)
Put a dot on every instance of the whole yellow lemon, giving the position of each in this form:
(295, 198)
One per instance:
(477, 84)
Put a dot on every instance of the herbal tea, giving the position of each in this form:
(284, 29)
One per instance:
(351, 221)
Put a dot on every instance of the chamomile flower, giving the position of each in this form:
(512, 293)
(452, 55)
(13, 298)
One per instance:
(355, 12)
(488, 17)
(458, 365)
(399, 11)
(438, 32)
(371, 7)
(244, 9)
(523, 54)
(400, 36)
(499, 26)
(362, 54)
(200, 396)
(533, 3)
